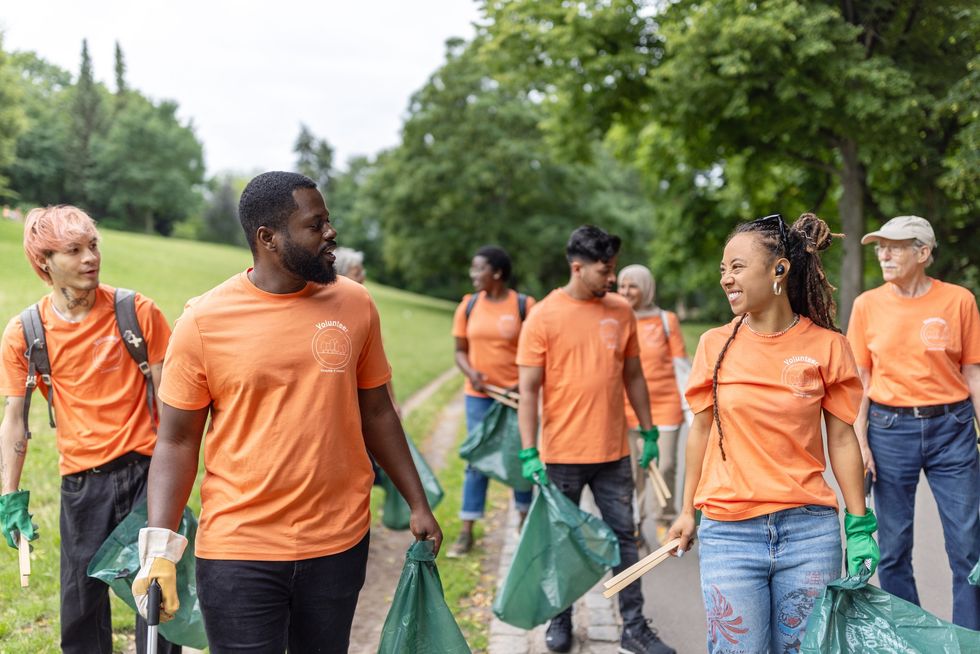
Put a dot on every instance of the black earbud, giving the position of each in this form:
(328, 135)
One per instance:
(780, 269)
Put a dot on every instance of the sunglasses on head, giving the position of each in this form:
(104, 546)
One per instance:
(778, 220)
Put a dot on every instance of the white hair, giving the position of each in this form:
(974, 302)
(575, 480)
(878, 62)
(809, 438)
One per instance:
(347, 258)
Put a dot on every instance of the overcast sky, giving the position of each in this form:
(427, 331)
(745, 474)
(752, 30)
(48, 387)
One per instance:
(248, 73)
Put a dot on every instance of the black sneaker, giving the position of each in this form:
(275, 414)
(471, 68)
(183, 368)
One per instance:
(641, 639)
(559, 635)
(462, 546)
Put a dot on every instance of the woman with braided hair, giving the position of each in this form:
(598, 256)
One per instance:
(759, 386)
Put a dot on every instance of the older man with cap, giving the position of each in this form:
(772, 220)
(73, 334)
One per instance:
(917, 345)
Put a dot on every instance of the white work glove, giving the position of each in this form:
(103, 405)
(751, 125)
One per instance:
(160, 550)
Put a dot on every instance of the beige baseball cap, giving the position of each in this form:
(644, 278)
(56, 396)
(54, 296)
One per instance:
(903, 227)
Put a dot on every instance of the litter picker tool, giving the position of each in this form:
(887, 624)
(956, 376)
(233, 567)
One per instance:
(502, 395)
(24, 555)
(657, 490)
(867, 488)
(152, 616)
(640, 568)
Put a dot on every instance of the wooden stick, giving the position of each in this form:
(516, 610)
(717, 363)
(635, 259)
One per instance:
(659, 480)
(512, 395)
(638, 569)
(503, 399)
(657, 492)
(24, 550)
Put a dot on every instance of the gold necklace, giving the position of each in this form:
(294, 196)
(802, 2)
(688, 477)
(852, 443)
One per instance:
(796, 319)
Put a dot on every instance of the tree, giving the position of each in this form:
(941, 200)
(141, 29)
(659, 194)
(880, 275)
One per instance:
(37, 172)
(220, 217)
(147, 168)
(815, 99)
(11, 116)
(88, 122)
(314, 158)
(474, 168)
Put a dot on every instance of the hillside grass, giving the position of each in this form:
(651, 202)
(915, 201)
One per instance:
(416, 333)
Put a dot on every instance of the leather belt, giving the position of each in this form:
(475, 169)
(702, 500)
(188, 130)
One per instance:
(924, 411)
(116, 464)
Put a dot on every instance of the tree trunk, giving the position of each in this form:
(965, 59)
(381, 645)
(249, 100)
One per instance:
(851, 208)
(148, 222)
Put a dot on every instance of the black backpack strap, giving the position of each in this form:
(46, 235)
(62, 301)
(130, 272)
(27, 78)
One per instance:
(132, 337)
(522, 306)
(37, 363)
(471, 304)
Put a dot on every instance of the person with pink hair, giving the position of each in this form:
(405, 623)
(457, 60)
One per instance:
(105, 429)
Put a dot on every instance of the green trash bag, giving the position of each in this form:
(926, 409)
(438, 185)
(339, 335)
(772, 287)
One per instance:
(419, 622)
(492, 447)
(562, 553)
(974, 577)
(117, 562)
(395, 513)
(852, 616)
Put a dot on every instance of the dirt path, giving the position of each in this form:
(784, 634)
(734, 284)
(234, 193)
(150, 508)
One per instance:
(387, 553)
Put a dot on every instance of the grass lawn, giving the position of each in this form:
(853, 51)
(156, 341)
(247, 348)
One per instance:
(416, 330)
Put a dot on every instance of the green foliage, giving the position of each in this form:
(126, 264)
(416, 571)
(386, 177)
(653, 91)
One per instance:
(474, 168)
(147, 168)
(11, 115)
(314, 158)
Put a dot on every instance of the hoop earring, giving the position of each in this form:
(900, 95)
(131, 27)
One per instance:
(776, 288)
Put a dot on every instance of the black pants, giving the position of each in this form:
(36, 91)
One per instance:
(92, 505)
(267, 607)
(612, 487)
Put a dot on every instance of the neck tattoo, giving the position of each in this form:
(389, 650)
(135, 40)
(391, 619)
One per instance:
(75, 302)
(796, 319)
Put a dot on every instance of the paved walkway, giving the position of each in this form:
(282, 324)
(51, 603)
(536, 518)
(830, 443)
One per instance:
(596, 619)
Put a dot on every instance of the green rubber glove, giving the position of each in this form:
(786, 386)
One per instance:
(14, 517)
(531, 467)
(651, 451)
(861, 547)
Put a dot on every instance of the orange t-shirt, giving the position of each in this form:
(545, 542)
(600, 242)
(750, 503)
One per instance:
(287, 475)
(915, 347)
(657, 353)
(99, 391)
(582, 345)
(491, 332)
(771, 391)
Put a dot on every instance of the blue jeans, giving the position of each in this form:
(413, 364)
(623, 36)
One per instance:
(945, 447)
(760, 577)
(612, 487)
(475, 482)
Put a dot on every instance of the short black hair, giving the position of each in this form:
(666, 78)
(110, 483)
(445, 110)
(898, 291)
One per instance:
(268, 201)
(498, 259)
(591, 244)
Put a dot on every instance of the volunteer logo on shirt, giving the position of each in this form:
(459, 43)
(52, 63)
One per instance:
(507, 326)
(609, 332)
(107, 353)
(934, 333)
(331, 346)
(802, 375)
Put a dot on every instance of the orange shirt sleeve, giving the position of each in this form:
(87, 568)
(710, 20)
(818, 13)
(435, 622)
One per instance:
(698, 391)
(156, 329)
(184, 383)
(13, 363)
(372, 364)
(459, 318)
(857, 335)
(533, 343)
(971, 332)
(842, 386)
(676, 340)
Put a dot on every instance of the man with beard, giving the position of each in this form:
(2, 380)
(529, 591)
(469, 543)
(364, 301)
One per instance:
(104, 428)
(579, 352)
(287, 360)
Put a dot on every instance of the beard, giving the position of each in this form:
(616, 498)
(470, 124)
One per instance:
(312, 268)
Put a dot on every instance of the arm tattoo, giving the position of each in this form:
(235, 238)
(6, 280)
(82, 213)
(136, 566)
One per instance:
(20, 447)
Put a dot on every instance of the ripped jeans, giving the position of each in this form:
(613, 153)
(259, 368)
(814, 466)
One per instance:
(612, 487)
(761, 576)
